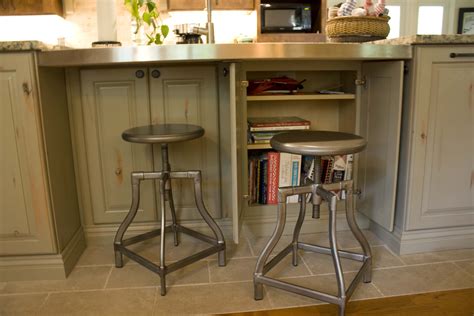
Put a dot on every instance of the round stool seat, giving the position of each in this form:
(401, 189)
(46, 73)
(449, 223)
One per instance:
(318, 143)
(162, 133)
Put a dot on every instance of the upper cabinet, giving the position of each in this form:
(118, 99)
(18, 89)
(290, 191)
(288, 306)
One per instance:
(26, 7)
(216, 4)
(233, 4)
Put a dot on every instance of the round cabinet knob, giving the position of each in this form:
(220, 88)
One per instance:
(140, 74)
(156, 73)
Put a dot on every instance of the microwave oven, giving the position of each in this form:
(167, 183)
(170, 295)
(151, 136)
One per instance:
(285, 17)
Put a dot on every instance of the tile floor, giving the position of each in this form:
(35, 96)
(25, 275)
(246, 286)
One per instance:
(96, 287)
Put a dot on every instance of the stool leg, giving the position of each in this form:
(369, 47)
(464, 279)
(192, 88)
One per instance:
(136, 178)
(316, 201)
(207, 217)
(351, 221)
(162, 232)
(169, 194)
(334, 252)
(262, 259)
(166, 167)
(299, 223)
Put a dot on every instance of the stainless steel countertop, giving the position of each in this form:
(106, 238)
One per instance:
(221, 52)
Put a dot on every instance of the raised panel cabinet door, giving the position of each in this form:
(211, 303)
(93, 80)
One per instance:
(186, 4)
(442, 169)
(188, 95)
(25, 217)
(113, 101)
(380, 117)
(233, 4)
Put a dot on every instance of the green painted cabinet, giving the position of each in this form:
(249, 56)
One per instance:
(116, 99)
(25, 217)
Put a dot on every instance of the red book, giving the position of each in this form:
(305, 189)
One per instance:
(273, 176)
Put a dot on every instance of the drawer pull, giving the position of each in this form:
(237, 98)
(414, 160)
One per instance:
(456, 55)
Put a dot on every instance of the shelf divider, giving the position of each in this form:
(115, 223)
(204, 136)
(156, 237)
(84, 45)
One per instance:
(296, 97)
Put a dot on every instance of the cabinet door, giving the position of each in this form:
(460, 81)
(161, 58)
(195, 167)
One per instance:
(25, 219)
(233, 4)
(113, 101)
(189, 95)
(442, 169)
(380, 117)
(186, 4)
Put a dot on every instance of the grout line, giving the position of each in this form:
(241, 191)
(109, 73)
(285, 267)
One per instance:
(108, 277)
(462, 269)
(209, 270)
(155, 300)
(306, 265)
(249, 244)
(44, 302)
(377, 288)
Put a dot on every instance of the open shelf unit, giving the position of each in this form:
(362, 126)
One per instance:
(332, 112)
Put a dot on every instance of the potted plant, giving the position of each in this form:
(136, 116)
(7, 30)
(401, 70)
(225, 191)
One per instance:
(146, 17)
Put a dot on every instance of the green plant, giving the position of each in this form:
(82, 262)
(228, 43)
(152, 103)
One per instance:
(145, 12)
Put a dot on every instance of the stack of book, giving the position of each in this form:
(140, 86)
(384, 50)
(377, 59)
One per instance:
(262, 129)
(271, 170)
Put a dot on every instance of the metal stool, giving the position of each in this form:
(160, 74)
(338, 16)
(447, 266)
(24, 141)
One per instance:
(317, 144)
(164, 134)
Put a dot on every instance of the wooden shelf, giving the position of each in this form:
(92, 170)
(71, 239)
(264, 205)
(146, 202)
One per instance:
(296, 97)
(258, 146)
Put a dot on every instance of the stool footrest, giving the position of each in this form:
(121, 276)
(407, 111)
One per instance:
(145, 236)
(282, 254)
(175, 265)
(298, 289)
(327, 251)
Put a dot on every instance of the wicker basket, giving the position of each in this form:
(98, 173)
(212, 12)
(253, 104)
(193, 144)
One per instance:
(357, 28)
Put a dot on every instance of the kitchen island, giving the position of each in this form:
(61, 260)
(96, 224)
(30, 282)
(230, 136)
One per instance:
(86, 97)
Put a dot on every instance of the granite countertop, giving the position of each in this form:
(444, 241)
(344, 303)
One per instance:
(24, 45)
(445, 39)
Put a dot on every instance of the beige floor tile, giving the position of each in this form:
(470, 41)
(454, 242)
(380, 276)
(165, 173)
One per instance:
(243, 270)
(467, 266)
(285, 268)
(322, 264)
(103, 302)
(85, 278)
(207, 299)
(421, 278)
(97, 254)
(196, 273)
(258, 243)
(26, 304)
(132, 275)
(323, 283)
(438, 256)
(150, 249)
(345, 239)
(240, 250)
(138, 276)
(235, 270)
(384, 258)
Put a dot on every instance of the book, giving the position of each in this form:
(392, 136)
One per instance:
(348, 169)
(295, 175)
(338, 169)
(277, 123)
(273, 177)
(263, 187)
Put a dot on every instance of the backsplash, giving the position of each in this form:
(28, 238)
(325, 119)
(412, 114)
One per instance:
(79, 28)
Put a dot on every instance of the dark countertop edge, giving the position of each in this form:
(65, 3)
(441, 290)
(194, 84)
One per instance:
(221, 52)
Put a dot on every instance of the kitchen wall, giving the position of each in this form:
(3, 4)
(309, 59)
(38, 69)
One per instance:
(79, 29)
